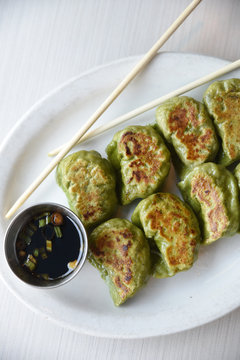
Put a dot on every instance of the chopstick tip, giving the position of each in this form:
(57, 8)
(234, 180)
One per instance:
(51, 154)
(8, 214)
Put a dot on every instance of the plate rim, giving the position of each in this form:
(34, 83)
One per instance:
(90, 71)
(6, 139)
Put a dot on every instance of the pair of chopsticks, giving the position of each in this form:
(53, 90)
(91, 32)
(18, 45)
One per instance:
(139, 67)
(152, 104)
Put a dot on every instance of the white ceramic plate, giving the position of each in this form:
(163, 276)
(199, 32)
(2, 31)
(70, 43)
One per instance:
(207, 291)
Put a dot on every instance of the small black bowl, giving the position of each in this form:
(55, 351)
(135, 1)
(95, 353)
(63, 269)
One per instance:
(12, 234)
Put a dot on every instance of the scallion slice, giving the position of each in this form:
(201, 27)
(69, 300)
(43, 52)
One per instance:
(30, 262)
(49, 245)
(48, 219)
(45, 276)
(36, 252)
(42, 223)
(44, 214)
(58, 231)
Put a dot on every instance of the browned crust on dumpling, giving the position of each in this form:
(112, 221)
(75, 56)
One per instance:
(147, 157)
(179, 122)
(170, 219)
(209, 196)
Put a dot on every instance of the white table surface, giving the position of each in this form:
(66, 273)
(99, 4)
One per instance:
(44, 43)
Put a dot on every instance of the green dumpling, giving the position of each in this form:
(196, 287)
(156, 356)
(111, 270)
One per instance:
(173, 231)
(212, 192)
(222, 99)
(187, 127)
(89, 183)
(142, 160)
(120, 251)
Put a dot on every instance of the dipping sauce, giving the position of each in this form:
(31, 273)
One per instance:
(49, 246)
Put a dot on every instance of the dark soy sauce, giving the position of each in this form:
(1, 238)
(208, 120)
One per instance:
(49, 263)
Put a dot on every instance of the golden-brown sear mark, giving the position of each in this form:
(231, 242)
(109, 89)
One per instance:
(172, 223)
(149, 156)
(184, 123)
(88, 202)
(227, 110)
(113, 250)
(213, 209)
(121, 286)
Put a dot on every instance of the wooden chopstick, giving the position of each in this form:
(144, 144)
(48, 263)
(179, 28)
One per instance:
(140, 65)
(150, 105)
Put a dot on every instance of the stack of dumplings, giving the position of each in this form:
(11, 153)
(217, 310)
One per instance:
(166, 232)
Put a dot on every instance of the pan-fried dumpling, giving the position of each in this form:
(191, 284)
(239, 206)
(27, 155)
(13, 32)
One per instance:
(142, 160)
(187, 127)
(222, 99)
(89, 183)
(120, 251)
(173, 231)
(211, 190)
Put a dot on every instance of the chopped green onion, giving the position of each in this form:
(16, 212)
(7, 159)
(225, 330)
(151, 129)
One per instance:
(30, 263)
(31, 266)
(42, 223)
(44, 214)
(32, 258)
(48, 219)
(48, 245)
(45, 276)
(58, 231)
(36, 252)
